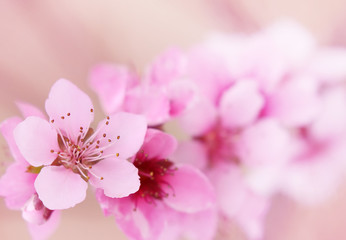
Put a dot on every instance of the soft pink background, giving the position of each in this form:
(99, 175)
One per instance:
(43, 40)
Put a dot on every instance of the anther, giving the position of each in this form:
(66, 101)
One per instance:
(118, 137)
(52, 151)
(98, 142)
(81, 128)
(104, 135)
(52, 121)
(62, 117)
(68, 114)
(91, 110)
(117, 154)
(101, 178)
(101, 151)
(107, 123)
(109, 140)
(108, 118)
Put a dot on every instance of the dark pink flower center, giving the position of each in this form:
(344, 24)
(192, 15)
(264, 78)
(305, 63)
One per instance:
(152, 174)
(219, 143)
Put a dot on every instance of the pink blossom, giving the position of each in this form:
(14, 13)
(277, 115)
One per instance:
(17, 184)
(173, 200)
(67, 153)
(160, 94)
(269, 117)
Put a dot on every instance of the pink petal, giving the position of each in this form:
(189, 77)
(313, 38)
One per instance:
(70, 108)
(60, 188)
(110, 83)
(16, 185)
(296, 102)
(196, 226)
(152, 102)
(120, 177)
(192, 191)
(199, 118)
(144, 223)
(35, 139)
(129, 128)
(191, 152)
(181, 94)
(330, 123)
(28, 110)
(240, 104)
(251, 217)
(6, 128)
(329, 64)
(44, 231)
(201, 225)
(141, 220)
(231, 190)
(264, 143)
(158, 144)
(167, 67)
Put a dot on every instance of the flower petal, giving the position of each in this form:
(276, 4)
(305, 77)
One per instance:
(16, 185)
(241, 104)
(144, 223)
(35, 139)
(199, 118)
(28, 110)
(191, 152)
(120, 177)
(296, 102)
(158, 144)
(192, 192)
(264, 143)
(44, 231)
(198, 226)
(125, 131)
(60, 188)
(6, 128)
(151, 101)
(110, 83)
(69, 107)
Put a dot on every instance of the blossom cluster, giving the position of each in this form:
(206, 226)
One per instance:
(260, 115)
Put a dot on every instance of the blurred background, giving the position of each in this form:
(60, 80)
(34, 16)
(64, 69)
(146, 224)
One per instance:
(42, 41)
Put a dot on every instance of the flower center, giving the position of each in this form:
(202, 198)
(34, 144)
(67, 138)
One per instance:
(87, 150)
(219, 143)
(152, 174)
